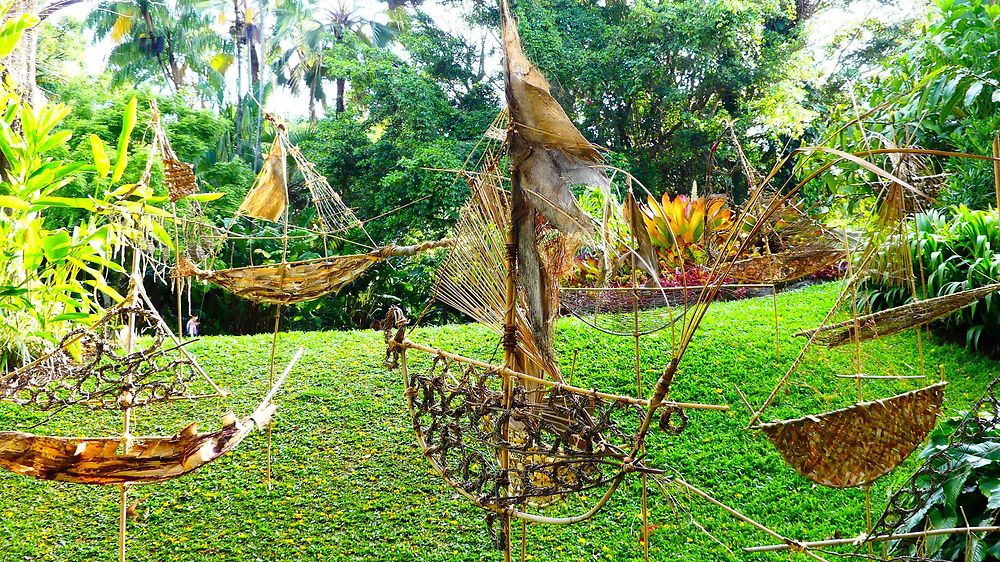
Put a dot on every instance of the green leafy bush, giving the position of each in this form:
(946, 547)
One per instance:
(952, 250)
(969, 493)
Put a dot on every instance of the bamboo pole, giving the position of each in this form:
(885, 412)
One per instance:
(274, 348)
(878, 538)
(996, 168)
(509, 360)
(133, 295)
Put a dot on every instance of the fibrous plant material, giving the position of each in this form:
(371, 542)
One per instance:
(547, 155)
(287, 283)
(110, 460)
(856, 445)
(895, 320)
(471, 278)
(128, 459)
(788, 266)
(177, 176)
(269, 196)
(334, 215)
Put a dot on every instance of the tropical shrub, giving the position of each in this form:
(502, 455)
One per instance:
(952, 250)
(684, 230)
(968, 495)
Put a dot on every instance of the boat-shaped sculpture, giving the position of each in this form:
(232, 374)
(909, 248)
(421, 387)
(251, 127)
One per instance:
(128, 459)
(856, 445)
(895, 320)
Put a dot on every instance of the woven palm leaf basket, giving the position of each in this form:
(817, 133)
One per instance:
(854, 446)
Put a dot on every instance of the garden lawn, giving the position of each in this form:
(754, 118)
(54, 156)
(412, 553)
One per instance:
(350, 483)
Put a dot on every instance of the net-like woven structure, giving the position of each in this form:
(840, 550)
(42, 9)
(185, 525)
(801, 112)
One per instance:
(92, 367)
(334, 215)
(894, 320)
(178, 177)
(559, 442)
(855, 445)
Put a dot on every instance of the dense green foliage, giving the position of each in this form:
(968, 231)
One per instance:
(939, 90)
(968, 495)
(350, 483)
(952, 250)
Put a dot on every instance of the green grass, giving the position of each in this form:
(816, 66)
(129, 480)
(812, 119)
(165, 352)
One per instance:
(350, 484)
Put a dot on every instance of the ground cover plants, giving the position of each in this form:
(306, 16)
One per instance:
(350, 482)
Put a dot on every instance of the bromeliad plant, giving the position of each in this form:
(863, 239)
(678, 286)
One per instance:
(685, 230)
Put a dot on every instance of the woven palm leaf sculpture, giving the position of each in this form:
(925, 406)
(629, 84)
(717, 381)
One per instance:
(858, 444)
(894, 320)
(289, 282)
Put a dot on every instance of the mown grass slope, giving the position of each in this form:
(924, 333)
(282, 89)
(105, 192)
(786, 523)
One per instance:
(350, 484)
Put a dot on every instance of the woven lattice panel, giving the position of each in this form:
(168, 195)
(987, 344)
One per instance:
(92, 367)
(179, 178)
(558, 442)
(855, 445)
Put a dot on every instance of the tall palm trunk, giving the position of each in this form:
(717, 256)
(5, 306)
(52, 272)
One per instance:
(20, 64)
(341, 85)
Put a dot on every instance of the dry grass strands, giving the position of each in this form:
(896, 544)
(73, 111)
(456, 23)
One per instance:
(895, 320)
(268, 198)
(855, 445)
(287, 283)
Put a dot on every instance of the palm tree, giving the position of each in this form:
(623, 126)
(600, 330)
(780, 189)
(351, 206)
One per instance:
(314, 31)
(173, 41)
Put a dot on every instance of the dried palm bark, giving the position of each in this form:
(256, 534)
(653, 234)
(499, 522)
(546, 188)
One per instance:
(269, 198)
(130, 460)
(547, 155)
(894, 320)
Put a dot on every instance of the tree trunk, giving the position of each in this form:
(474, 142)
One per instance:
(20, 64)
(341, 84)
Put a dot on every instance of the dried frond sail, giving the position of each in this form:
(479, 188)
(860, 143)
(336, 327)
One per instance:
(548, 153)
(895, 320)
(269, 196)
(856, 445)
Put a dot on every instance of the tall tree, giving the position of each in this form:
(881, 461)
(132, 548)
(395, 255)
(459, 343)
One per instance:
(322, 39)
(154, 41)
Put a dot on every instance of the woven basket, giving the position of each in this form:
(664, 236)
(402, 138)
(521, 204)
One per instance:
(856, 445)
(179, 178)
